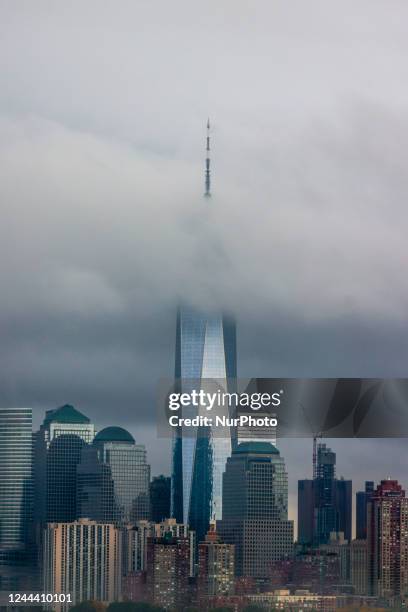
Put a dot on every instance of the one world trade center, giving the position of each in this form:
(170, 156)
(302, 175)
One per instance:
(205, 349)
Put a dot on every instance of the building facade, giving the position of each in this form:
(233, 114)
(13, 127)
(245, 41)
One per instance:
(15, 484)
(160, 493)
(83, 558)
(57, 448)
(168, 571)
(205, 358)
(255, 508)
(359, 566)
(113, 479)
(324, 503)
(216, 567)
(135, 538)
(387, 541)
(362, 499)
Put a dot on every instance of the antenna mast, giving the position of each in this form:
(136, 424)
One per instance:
(207, 164)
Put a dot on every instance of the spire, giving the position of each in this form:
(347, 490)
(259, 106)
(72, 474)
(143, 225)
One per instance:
(207, 164)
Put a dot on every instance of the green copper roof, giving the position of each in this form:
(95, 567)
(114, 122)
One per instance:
(114, 434)
(66, 414)
(261, 448)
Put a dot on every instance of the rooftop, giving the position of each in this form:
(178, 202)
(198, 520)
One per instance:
(66, 414)
(114, 434)
(261, 448)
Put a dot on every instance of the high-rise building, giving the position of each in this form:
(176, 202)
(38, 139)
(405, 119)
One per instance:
(135, 538)
(160, 490)
(359, 566)
(362, 499)
(324, 503)
(57, 451)
(15, 483)
(205, 349)
(113, 478)
(135, 546)
(306, 504)
(343, 501)
(216, 567)
(247, 433)
(168, 571)
(325, 509)
(387, 540)
(82, 558)
(255, 508)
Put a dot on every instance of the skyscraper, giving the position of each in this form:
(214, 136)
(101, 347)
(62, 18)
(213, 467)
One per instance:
(168, 570)
(216, 567)
(160, 490)
(324, 503)
(15, 483)
(82, 558)
(362, 499)
(387, 540)
(205, 349)
(57, 451)
(113, 478)
(255, 508)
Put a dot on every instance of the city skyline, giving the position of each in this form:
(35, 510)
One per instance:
(101, 188)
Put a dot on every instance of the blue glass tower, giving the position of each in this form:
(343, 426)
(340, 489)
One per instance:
(205, 349)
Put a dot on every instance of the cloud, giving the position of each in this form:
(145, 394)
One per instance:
(104, 230)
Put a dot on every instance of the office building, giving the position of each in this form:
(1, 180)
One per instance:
(205, 352)
(387, 541)
(113, 478)
(15, 484)
(306, 505)
(324, 503)
(255, 508)
(57, 451)
(362, 499)
(160, 491)
(82, 558)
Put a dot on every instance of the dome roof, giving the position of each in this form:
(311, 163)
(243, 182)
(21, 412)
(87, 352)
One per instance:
(261, 448)
(114, 434)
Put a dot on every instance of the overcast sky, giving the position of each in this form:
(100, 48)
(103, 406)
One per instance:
(104, 230)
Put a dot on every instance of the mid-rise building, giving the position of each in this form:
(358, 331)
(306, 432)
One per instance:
(359, 566)
(387, 541)
(300, 600)
(216, 567)
(15, 484)
(255, 508)
(82, 558)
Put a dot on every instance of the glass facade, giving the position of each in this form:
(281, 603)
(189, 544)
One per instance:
(57, 451)
(255, 508)
(15, 482)
(113, 479)
(205, 349)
